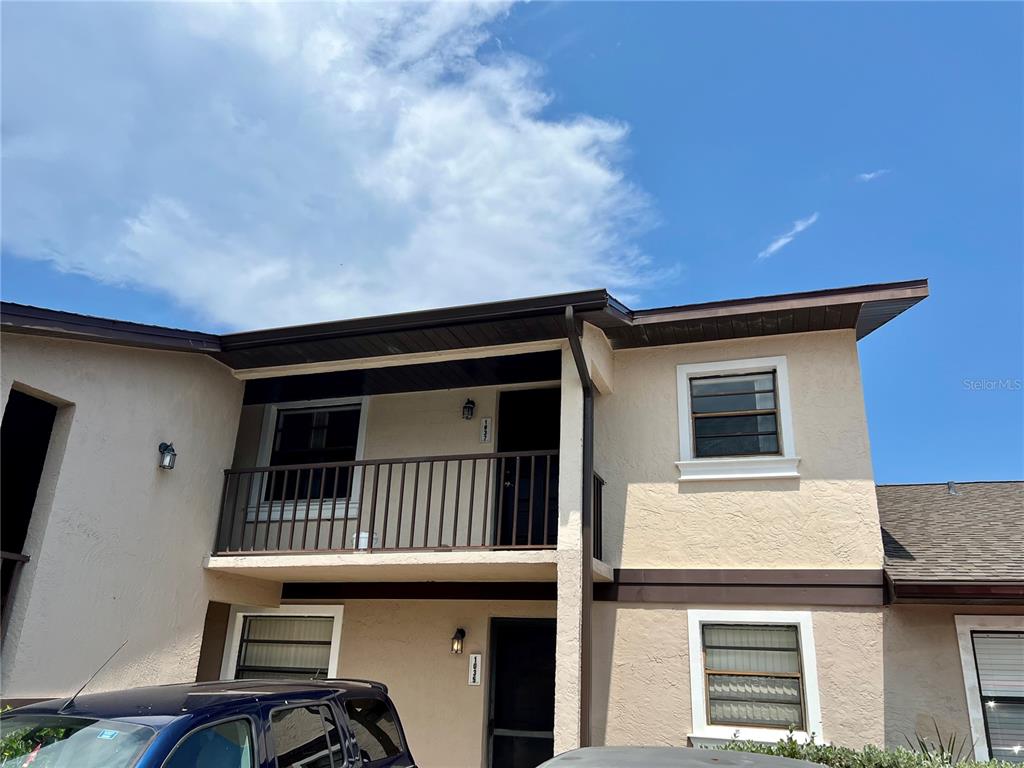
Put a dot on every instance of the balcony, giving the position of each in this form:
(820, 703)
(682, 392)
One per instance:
(493, 501)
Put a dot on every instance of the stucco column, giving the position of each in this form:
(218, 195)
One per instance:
(570, 545)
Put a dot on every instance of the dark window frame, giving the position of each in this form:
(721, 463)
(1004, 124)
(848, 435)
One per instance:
(243, 641)
(708, 672)
(981, 696)
(774, 411)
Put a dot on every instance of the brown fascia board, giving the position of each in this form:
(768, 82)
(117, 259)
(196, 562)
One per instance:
(955, 591)
(908, 290)
(596, 306)
(554, 304)
(25, 319)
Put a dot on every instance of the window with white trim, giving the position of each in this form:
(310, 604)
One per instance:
(734, 415)
(999, 657)
(735, 420)
(752, 675)
(992, 657)
(291, 642)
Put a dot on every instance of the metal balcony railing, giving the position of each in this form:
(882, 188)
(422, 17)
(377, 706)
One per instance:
(471, 501)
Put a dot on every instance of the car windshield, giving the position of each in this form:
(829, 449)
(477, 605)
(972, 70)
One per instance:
(55, 741)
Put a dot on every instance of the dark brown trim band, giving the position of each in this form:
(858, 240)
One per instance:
(956, 592)
(419, 590)
(738, 586)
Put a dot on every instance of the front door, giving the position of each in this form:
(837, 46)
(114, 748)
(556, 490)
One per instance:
(522, 703)
(527, 493)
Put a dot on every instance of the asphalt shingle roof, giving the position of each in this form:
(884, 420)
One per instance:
(974, 534)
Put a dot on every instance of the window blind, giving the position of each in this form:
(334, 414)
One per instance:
(753, 675)
(1000, 662)
(284, 646)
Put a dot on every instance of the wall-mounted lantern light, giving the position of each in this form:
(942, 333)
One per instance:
(467, 410)
(167, 455)
(458, 640)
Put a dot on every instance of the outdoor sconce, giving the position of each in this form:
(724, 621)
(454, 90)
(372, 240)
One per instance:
(167, 455)
(467, 410)
(457, 641)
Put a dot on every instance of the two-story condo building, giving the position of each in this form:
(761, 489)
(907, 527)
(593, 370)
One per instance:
(543, 523)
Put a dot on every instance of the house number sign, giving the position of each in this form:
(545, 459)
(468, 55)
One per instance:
(475, 663)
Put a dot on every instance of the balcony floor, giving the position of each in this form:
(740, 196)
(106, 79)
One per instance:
(489, 565)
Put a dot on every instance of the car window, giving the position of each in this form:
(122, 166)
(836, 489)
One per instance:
(300, 737)
(225, 745)
(334, 737)
(42, 741)
(374, 728)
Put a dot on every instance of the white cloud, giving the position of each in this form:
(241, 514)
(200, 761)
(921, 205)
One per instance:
(782, 241)
(872, 175)
(275, 164)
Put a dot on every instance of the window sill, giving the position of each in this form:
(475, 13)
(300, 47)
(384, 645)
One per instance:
(717, 736)
(739, 468)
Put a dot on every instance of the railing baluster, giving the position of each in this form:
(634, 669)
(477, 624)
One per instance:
(488, 496)
(334, 508)
(270, 511)
(515, 505)
(348, 500)
(387, 508)
(444, 493)
(305, 519)
(359, 508)
(224, 542)
(426, 513)
(415, 498)
(455, 515)
(547, 495)
(401, 502)
(373, 509)
(529, 509)
(472, 498)
(295, 508)
(500, 470)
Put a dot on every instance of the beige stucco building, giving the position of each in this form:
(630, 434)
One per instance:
(643, 527)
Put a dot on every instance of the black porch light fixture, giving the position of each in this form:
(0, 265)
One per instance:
(467, 410)
(167, 455)
(458, 641)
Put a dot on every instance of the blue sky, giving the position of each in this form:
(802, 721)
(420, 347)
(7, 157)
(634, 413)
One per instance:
(221, 167)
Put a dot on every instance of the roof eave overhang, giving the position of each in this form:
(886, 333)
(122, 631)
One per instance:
(494, 325)
(38, 321)
(954, 591)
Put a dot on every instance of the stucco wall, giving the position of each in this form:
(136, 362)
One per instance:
(117, 544)
(923, 675)
(406, 643)
(827, 518)
(642, 674)
(401, 426)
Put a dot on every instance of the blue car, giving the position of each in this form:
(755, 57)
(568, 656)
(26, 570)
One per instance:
(231, 724)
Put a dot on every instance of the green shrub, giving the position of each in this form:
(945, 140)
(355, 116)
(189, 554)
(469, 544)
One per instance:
(928, 756)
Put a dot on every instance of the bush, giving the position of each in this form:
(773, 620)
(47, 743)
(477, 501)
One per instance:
(868, 757)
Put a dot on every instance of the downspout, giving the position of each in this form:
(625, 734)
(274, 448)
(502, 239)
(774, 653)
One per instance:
(572, 332)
